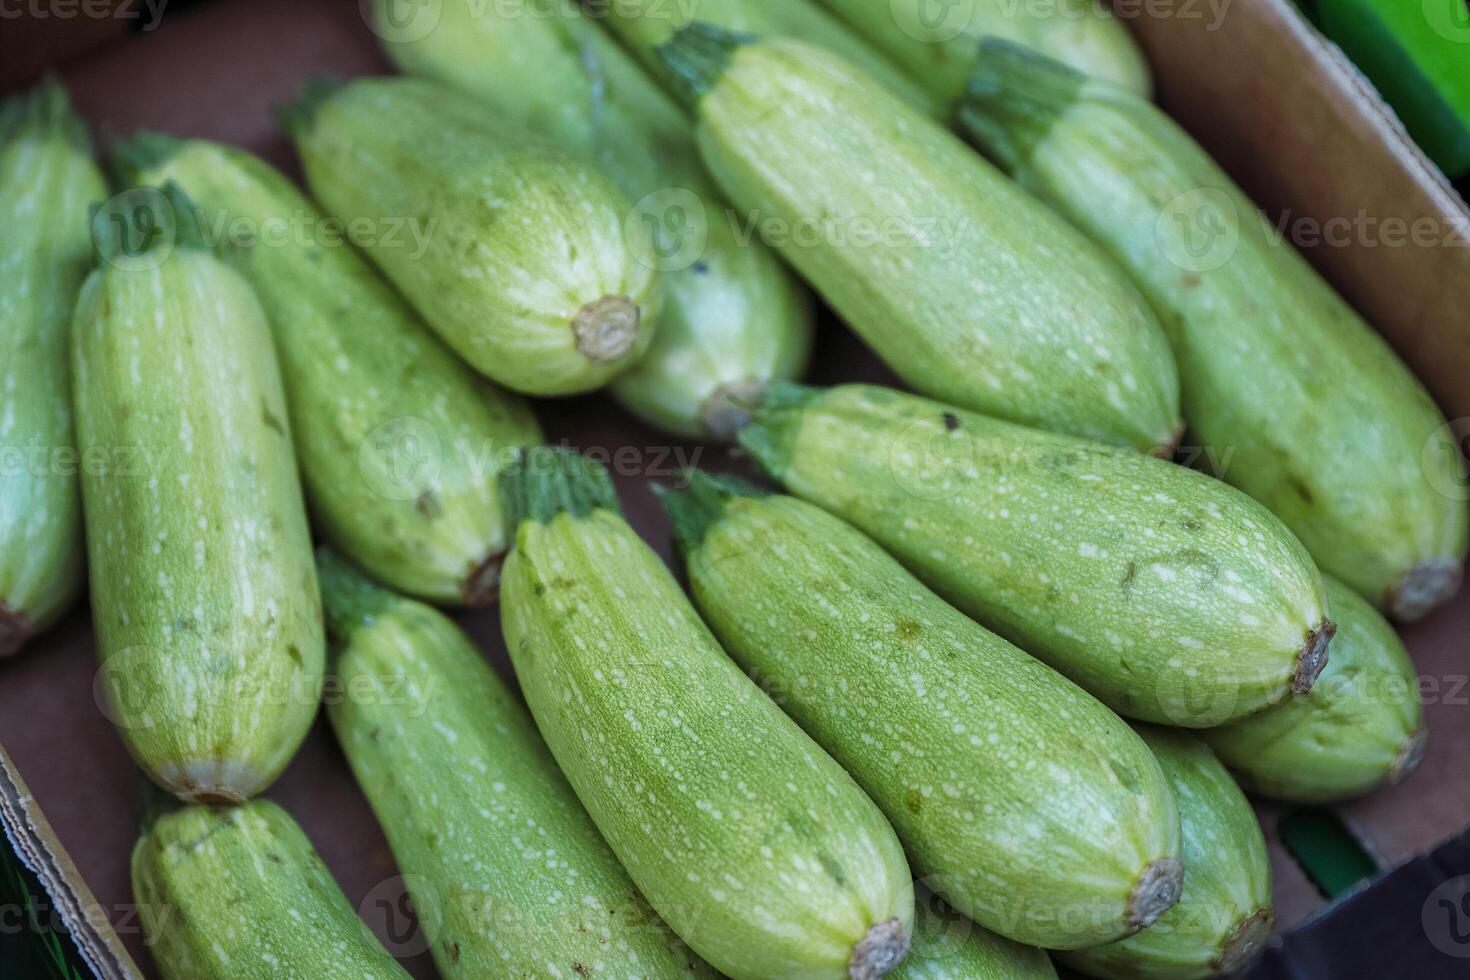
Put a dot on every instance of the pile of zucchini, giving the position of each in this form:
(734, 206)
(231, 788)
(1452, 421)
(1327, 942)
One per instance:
(977, 681)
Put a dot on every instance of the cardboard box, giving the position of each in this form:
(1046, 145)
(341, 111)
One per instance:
(1279, 108)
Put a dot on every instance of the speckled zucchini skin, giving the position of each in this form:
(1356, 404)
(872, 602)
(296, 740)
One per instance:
(971, 290)
(643, 25)
(1360, 727)
(506, 870)
(1022, 800)
(942, 53)
(524, 268)
(947, 946)
(1167, 594)
(399, 441)
(239, 893)
(1300, 402)
(745, 836)
(47, 182)
(1224, 917)
(204, 593)
(734, 317)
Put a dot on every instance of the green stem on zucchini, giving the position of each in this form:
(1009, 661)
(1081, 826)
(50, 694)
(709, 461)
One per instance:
(697, 55)
(545, 481)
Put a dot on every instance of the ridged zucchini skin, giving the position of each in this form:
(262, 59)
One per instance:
(204, 591)
(746, 837)
(47, 182)
(1224, 917)
(942, 54)
(506, 870)
(1360, 727)
(1302, 404)
(1023, 801)
(734, 318)
(643, 25)
(239, 893)
(947, 946)
(1168, 595)
(523, 268)
(364, 380)
(972, 291)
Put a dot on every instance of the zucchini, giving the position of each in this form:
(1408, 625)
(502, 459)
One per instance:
(204, 593)
(1025, 803)
(1167, 594)
(968, 288)
(513, 252)
(942, 51)
(399, 440)
(47, 180)
(748, 839)
(1361, 727)
(644, 25)
(1224, 917)
(734, 318)
(947, 946)
(239, 893)
(1301, 404)
(507, 872)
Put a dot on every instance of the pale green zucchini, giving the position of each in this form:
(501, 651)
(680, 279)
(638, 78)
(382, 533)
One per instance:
(747, 838)
(239, 893)
(947, 946)
(1224, 917)
(1360, 727)
(507, 873)
(1169, 595)
(1024, 802)
(399, 441)
(643, 25)
(968, 288)
(941, 52)
(734, 318)
(204, 593)
(514, 252)
(47, 181)
(1297, 400)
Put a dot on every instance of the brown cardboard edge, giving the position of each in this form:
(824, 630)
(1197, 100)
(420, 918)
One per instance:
(42, 852)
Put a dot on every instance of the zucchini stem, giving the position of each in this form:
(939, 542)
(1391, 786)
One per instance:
(45, 111)
(728, 409)
(1313, 658)
(606, 329)
(701, 504)
(1244, 942)
(1014, 97)
(545, 481)
(879, 952)
(1423, 587)
(697, 56)
(1158, 890)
